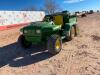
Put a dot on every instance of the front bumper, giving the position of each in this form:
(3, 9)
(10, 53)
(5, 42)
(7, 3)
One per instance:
(33, 39)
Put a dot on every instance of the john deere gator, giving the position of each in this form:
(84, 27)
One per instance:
(51, 31)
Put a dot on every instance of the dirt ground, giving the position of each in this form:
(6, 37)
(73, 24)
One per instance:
(81, 56)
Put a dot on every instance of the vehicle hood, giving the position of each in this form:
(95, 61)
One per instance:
(39, 25)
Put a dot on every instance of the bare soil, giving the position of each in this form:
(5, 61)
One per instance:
(81, 56)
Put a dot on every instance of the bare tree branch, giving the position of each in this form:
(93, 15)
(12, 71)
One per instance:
(51, 6)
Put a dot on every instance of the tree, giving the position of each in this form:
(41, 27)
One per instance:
(51, 6)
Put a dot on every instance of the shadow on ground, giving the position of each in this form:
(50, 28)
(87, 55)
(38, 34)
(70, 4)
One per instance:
(15, 56)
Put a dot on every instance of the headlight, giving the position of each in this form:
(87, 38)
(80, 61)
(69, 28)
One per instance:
(38, 31)
(25, 31)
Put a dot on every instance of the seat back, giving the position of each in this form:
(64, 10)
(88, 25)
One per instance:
(58, 20)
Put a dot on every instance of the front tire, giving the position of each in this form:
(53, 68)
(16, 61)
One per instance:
(54, 44)
(24, 43)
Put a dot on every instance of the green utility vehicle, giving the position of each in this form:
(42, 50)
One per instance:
(50, 32)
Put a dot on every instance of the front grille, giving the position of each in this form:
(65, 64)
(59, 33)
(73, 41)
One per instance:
(33, 39)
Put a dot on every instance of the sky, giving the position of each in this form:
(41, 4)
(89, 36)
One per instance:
(70, 5)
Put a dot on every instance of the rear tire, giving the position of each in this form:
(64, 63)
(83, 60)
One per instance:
(71, 34)
(76, 30)
(54, 44)
(24, 43)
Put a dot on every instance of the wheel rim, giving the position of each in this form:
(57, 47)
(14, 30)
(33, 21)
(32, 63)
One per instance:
(57, 44)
